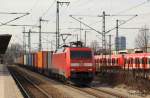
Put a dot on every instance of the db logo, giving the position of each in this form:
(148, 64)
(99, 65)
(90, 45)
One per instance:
(81, 63)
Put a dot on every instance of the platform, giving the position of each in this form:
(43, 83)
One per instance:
(8, 87)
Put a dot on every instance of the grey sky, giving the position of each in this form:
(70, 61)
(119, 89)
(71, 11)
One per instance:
(76, 7)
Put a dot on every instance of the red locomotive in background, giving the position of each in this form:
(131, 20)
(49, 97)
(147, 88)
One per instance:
(68, 63)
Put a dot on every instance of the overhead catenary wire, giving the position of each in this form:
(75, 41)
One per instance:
(12, 13)
(14, 19)
(121, 23)
(131, 8)
(85, 24)
(52, 4)
(34, 5)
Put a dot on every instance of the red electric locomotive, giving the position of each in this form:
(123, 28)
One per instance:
(75, 64)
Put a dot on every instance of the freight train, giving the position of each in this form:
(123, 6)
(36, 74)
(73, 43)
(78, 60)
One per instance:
(137, 62)
(69, 63)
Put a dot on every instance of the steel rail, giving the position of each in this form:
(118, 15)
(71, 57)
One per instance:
(36, 86)
(40, 89)
(20, 85)
(107, 92)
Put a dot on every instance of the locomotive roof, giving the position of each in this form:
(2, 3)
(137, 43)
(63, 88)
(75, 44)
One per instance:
(61, 50)
(139, 55)
(79, 48)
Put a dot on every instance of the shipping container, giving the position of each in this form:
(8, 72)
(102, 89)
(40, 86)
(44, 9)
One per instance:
(30, 59)
(50, 60)
(45, 59)
(40, 62)
(22, 59)
(35, 60)
(25, 61)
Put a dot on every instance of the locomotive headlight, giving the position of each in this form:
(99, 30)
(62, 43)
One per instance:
(72, 69)
(87, 64)
(75, 64)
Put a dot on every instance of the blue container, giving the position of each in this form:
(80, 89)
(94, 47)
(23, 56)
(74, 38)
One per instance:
(30, 60)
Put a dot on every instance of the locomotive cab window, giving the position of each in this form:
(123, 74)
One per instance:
(81, 54)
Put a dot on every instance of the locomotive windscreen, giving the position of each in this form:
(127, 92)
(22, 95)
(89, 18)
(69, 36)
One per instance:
(81, 54)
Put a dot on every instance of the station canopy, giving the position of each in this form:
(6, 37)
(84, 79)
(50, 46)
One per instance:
(4, 41)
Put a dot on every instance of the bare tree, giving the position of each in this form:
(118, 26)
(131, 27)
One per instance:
(142, 39)
(12, 53)
(94, 45)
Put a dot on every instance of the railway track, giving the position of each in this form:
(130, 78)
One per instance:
(90, 90)
(98, 93)
(28, 88)
(110, 93)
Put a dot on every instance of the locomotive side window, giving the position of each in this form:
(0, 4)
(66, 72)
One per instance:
(81, 54)
(125, 61)
(149, 60)
(117, 61)
(109, 61)
(113, 60)
(143, 61)
(104, 60)
(146, 60)
(101, 61)
(136, 61)
(98, 60)
(140, 60)
(131, 60)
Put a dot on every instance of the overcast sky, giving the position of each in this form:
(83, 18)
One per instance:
(90, 8)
